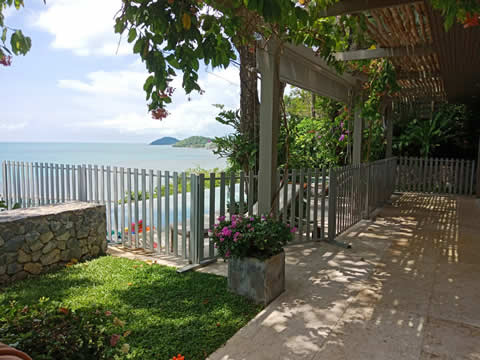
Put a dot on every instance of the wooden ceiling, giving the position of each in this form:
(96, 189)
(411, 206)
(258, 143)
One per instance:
(431, 63)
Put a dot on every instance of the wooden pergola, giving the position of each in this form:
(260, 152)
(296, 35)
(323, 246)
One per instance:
(431, 63)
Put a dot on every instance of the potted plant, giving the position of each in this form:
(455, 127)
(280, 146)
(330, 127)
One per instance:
(253, 247)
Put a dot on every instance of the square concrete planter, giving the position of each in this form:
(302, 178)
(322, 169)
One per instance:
(259, 280)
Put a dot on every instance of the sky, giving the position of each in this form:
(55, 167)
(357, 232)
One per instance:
(78, 85)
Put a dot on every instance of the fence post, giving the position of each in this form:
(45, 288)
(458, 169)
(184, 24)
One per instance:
(332, 205)
(200, 216)
(194, 219)
(367, 193)
(4, 181)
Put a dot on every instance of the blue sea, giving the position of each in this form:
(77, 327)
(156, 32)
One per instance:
(141, 156)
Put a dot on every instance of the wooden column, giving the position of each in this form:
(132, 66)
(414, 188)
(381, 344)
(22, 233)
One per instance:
(268, 63)
(357, 137)
(389, 118)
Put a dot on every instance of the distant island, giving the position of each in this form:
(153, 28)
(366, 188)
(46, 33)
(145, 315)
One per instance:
(167, 140)
(194, 142)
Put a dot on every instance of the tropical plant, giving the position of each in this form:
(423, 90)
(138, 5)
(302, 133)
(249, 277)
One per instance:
(240, 152)
(422, 136)
(259, 237)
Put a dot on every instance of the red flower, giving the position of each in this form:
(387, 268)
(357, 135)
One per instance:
(63, 310)
(6, 60)
(114, 339)
(471, 20)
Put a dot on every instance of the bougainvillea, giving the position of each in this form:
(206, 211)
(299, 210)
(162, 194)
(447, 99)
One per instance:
(250, 236)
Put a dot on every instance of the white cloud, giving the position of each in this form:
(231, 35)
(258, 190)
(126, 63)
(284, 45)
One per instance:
(121, 83)
(6, 125)
(83, 26)
(115, 100)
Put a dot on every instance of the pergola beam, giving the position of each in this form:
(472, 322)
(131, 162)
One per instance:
(344, 7)
(383, 52)
(417, 75)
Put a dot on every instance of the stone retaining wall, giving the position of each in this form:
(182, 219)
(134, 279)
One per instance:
(37, 240)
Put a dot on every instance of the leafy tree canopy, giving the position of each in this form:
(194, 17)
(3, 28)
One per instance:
(13, 41)
(176, 35)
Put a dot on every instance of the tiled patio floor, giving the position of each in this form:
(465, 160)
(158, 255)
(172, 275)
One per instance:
(408, 289)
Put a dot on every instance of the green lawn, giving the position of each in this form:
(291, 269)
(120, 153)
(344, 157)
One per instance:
(165, 313)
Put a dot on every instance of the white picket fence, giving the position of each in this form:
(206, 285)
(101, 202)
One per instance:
(176, 218)
(356, 191)
(435, 175)
(170, 213)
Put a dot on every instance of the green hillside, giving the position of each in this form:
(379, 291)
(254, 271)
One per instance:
(193, 142)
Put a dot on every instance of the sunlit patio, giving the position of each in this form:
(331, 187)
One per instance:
(408, 289)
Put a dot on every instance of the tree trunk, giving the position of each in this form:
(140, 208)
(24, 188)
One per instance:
(249, 103)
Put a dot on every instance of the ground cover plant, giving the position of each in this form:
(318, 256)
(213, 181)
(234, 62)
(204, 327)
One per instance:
(114, 308)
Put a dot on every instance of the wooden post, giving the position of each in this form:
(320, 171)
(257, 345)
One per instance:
(478, 170)
(268, 62)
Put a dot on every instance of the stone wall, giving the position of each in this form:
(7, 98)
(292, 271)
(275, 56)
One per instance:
(37, 240)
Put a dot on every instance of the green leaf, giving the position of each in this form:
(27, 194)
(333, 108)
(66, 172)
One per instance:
(132, 34)
(4, 35)
(252, 5)
(120, 26)
(138, 47)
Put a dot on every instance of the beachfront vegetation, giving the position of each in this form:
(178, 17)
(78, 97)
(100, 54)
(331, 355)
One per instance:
(307, 138)
(193, 142)
(115, 308)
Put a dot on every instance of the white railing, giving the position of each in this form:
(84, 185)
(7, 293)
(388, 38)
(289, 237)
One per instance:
(436, 176)
(356, 191)
(170, 213)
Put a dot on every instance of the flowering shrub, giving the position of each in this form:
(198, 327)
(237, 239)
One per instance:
(49, 331)
(250, 236)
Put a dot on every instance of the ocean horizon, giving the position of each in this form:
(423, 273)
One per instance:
(127, 155)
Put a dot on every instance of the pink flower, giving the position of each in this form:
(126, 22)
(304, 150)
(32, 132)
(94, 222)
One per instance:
(236, 236)
(108, 313)
(341, 137)
(222, 239)
(341, 124)
(263, 217)
(226, 231)
(249, 225)
(292, 230)
(252, 219)
(227, 254)
(221, 218)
